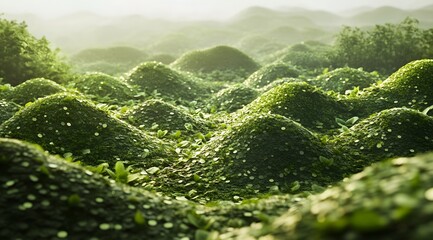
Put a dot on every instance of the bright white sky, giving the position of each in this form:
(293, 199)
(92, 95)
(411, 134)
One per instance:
(185, 9)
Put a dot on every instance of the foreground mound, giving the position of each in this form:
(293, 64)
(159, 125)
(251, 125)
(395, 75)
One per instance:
(234, 97)
(259, 154)
(159, 115)
(220, 58)
(44, 197)
(154, 77)
(390, 200)
(102, 86)
(33, 89)
(300, 102)
(410, 86)
(270, 73)
(343, 79)
(67, 124)
(397, 132)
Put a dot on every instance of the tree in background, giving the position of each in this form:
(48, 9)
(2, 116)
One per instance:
(385, 48)
(24, 57)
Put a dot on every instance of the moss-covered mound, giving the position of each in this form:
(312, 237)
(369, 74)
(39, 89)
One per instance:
(220, 58)
(270, 73)
(234, 97)
(67, 124)
(154, 77)
(44, 197)
(259, 154)
(389, 200)
(397, 132)
(33, 89)
(7, 110)
(410, 86)
(300, 102)
(159, 115)
(279, 82)
(102, 86)
(342, 79)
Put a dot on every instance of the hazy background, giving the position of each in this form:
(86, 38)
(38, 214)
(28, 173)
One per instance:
(185, 9)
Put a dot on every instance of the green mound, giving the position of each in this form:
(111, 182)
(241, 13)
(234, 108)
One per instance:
(279, 82)
(300, 102)
(156, 77)
(44, 197)
(7, 110)
(162, 58)
(159, 115)
(234, 97)
(220, 58)
(410, 86)
(397, 132)
(102, 86)
(390, 200)
(270, 73)
(110, 55)
(259, 154)
(342, 79)
(69, 125)
(309, 55)
(33, 89)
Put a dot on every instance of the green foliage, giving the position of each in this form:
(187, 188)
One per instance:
(342, 80)
(102, 86)
(217, 59)
(157, 115)
(384, 48)
(154, 76)
(300, 102)
(25, 57)
(307, 56)
(389, 200)
(234, 97)
(65, 123)
(270, 73)
(33, 89)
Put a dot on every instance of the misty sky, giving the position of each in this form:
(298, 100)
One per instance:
(186, 9)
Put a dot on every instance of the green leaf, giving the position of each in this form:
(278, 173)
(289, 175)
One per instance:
(139, 218)
(367, 220)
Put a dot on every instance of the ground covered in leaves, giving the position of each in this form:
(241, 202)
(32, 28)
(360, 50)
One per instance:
(211, 149)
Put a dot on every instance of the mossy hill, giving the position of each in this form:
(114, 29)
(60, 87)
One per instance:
(410, 86)
(302, 103)
(234, 97)
(33, 89)
(259, 154)
(72, 126)
(398, 132)
(343, 79)
(103, 87)
(389, 200)
(7, 110)
(270, 73)
(45, 197)
(153, 115)
(224, 59)
(157, 78)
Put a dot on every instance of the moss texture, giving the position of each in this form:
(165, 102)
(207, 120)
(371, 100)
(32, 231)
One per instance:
(389, 200)
(397, 132)
(67, 124)
(44, 197)
(259, 154)
(219, 58)
(300, 102)
(7, 110)
(164, 115)
(234, 97)
(270, 73)
(33, 89)
(343, 79)
(410, 86)
(103, 87)
(156, 77)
